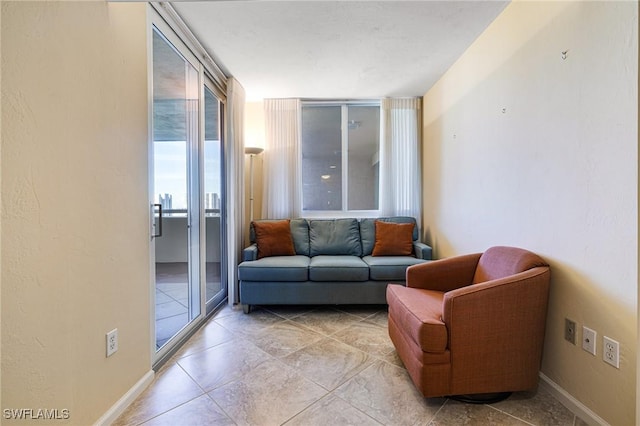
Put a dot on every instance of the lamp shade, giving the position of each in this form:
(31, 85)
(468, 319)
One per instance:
(255, 150)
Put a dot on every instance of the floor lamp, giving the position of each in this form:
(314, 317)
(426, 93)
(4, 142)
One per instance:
(252, 151)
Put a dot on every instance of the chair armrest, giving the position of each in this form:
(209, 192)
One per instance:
(250, 253)
(421, 250)
(498, 326)
(498, 315)
(444, 274)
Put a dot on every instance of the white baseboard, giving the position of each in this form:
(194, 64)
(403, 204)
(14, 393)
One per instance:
(118, 408)
(571, 403)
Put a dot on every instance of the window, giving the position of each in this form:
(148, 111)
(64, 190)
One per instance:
(340, 157)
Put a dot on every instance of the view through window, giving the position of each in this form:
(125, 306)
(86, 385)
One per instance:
(340, 156)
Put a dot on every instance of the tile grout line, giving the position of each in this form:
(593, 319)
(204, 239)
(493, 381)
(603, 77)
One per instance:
(509, 414)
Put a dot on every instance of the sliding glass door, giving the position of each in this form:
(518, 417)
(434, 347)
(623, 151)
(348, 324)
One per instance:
(187, 197)
(175, 181)
(213, 172)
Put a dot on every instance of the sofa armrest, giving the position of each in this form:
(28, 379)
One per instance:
(250, 253)
(444, 274)
(421, 250)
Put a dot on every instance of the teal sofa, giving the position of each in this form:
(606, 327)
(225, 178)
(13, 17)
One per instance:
(333, 264)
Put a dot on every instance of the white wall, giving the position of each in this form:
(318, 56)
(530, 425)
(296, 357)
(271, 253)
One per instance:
(525, 148)
(75, 217)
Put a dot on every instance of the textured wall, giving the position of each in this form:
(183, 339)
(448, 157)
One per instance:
(525, 148)
(75, 245)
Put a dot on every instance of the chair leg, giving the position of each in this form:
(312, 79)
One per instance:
(481, 398)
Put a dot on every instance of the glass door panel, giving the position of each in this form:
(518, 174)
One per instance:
(175, 172)
(213, 200)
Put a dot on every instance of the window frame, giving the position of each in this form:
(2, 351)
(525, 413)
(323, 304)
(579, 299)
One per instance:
(345, 212)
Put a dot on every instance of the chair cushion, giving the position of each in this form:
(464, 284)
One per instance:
(418, 313)
(338, 268)
(275, 268)
(334, 237)
(389, 268)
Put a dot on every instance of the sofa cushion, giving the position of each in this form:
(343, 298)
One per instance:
(334, 237)
(299, 233)
(368, 230)
(276, 268)
(419, 313)
(338, 268)
(393, 239)
(389, 268)
(273, 238)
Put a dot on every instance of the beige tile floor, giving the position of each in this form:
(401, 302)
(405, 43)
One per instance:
(310, 366)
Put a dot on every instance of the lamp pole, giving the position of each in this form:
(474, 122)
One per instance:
(252, 151)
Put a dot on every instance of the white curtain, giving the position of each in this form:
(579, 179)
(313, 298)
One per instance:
(282, 180)
(400, 174)
(234, 161)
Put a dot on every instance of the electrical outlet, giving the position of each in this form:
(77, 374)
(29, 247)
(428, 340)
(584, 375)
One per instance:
(570, 331)
(589, 340)
(611, 351)
(112, 342)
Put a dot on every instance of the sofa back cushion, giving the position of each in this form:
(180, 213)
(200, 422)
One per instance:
(299, 233)
(334, 237)
(368, 231)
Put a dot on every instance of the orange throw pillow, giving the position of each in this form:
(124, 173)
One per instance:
(273, 238)
(393, 239)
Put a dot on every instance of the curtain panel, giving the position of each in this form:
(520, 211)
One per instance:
(234, 161)
(281, 158)
(400, 172)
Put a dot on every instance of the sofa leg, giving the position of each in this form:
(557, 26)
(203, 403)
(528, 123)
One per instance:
(481, 398)
(246, 309)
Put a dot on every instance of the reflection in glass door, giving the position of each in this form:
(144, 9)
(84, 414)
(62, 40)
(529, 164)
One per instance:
(175, 180)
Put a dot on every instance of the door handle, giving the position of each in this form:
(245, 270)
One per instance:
(159, 227)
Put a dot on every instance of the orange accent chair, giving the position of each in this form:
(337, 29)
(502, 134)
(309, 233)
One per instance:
(472, 325)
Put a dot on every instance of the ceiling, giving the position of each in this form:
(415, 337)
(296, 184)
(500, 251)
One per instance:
(336, 49)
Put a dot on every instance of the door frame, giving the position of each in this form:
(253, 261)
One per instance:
(211, 306)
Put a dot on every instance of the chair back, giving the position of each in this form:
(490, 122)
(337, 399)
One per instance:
(499, 262)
